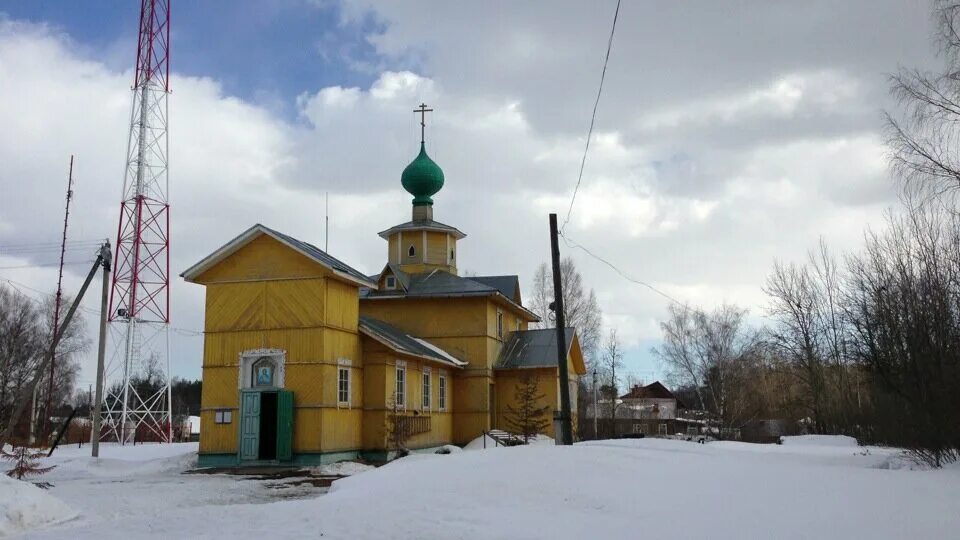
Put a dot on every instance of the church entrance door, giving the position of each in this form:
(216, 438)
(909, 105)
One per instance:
(266, 425)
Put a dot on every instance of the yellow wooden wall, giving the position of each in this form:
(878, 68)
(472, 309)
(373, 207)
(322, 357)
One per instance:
(268, 296)
(380, 365)
(507, 382)
(548, 385)
(466, 328)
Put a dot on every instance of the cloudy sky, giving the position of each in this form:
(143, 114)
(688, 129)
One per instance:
(729, 135)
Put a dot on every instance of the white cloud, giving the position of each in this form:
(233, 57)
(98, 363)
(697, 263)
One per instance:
(676, 191)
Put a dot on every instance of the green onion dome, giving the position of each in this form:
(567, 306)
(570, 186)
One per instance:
(422, 178)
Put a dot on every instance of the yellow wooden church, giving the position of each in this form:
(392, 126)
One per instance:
(307, 360)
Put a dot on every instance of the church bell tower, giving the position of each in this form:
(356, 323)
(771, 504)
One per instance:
(422, 244)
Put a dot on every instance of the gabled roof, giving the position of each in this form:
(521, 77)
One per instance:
(308, 250)
(402, 277)
(440, 283)
(534, 349)
(423, 225)
(508, 286)
(654, 390)
(401, 342)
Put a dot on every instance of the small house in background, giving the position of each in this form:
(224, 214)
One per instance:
(651, 410)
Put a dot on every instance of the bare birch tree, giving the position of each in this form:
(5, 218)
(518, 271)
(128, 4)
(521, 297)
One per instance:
(611, 361)
(924, 138)
(713, 353)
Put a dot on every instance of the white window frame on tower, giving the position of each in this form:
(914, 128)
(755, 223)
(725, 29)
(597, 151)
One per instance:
(500, 324)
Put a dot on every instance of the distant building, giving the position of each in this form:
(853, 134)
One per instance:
(651, 410)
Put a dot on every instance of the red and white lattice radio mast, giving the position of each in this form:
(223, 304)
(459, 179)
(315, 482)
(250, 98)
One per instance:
(137, 402)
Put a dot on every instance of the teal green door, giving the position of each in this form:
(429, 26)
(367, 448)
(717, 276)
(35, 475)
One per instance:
(284, 425)
(249, 425)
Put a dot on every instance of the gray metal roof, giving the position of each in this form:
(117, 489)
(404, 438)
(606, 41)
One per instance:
(508, 286)
(440, 283)
(532, 349)
(320, 256)
(399, 340)
(443, 283)
(423, 224)
(306, 249)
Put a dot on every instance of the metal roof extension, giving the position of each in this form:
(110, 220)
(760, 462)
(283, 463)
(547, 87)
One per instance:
(399, 341)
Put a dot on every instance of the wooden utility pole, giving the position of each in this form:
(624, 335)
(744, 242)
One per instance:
(101, 349)
(566, 426)
(21, 399)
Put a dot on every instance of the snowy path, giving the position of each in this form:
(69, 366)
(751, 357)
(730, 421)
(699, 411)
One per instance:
(608, 489)
(145, 483)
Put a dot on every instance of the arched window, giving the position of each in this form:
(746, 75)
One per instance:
(263, 372)
(412, 251)
(451, 255)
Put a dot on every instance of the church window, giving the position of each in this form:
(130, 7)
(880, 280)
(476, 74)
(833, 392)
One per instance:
(499, 324)
(426, 389)
(412, 251)
(451, 255)
(391, 282)
(343, 385)
(224, 416)
(442, 393)
(400, 392)
(519, 322)
(263, 371)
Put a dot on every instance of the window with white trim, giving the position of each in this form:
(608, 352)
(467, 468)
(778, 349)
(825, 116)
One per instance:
(499, 324)
(400, 393)
(391, 282)
(224, 416)
(442, 397)
(425, 402)
(343, 386)
(519, 322)
(412, 251)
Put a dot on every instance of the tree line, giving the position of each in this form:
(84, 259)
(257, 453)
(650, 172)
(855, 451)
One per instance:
(26, 334)
(867, 342)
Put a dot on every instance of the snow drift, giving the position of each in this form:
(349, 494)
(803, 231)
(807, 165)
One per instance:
(24, 506)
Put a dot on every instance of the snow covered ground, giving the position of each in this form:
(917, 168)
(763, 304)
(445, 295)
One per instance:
(806, 488)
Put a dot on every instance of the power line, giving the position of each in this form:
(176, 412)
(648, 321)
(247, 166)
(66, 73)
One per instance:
(593, 117)
(570, 243)
(40, 246)
(45, 265)
(17, 285)
(586, 150)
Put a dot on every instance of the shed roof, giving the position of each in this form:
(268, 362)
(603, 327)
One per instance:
(535, 349)
(402, 342)
(306, 249)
